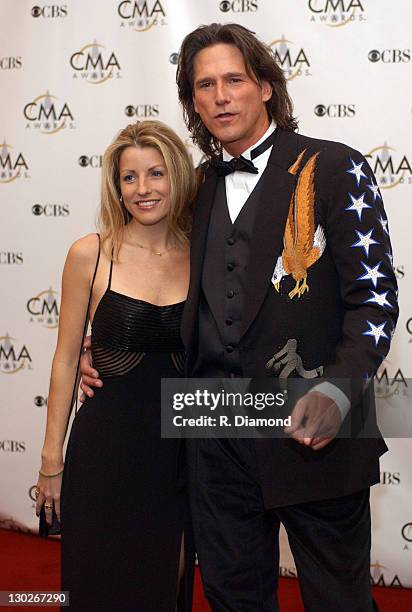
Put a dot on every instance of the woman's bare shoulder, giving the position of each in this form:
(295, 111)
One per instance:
(84, 250)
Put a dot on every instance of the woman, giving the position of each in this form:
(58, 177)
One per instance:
(123, 507)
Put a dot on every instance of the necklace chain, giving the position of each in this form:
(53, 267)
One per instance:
(159, 253)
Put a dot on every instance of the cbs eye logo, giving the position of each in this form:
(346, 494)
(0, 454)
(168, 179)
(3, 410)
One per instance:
(225, 6)
(374, 56)
(239, 6)
(320, 110)
(37, 209)
(129, 110)
(174, 58)
(40, 401)
(90, 161)
(36, 11)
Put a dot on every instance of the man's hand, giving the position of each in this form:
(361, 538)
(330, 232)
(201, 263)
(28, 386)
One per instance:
(90, 376)
(315, 420)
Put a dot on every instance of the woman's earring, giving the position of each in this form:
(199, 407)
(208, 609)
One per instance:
(121, 198)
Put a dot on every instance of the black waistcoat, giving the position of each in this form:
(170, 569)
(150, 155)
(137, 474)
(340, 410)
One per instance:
(223, 286)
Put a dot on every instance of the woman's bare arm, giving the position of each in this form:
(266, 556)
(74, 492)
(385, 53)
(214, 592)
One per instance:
(77, 275)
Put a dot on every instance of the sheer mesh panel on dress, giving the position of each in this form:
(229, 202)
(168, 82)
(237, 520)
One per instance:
(114, 362)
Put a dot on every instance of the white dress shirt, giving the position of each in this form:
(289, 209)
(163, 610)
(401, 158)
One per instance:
(239, 185)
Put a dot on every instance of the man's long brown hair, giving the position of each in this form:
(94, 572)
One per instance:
(260, 65)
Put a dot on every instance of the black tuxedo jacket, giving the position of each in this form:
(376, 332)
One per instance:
(313, 192)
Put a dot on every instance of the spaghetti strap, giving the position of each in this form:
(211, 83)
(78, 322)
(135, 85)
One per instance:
(110, 273)
(94, 274)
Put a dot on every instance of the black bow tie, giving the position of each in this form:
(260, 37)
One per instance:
(223, 168)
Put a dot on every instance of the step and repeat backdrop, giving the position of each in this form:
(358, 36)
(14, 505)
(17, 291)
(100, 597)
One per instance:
(73, 73)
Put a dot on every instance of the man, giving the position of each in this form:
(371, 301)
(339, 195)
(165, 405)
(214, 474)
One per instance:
(290, 274)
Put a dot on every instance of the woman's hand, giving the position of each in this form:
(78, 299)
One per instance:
(90, 376)
(48, 493)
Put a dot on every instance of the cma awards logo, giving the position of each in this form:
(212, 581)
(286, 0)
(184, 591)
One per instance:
(381, 576)
(391, 169)
(142, 110)
(47, 115)
(239, 6)
(94, 64)
(141, 15)
(335, 111)
(390, 383)
(44, 309)
(13, 356)
(90, 161)
(12, 165)
(336, 13)
(292, 59)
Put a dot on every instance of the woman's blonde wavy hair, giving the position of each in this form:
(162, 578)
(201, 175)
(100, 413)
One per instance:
(113, 215)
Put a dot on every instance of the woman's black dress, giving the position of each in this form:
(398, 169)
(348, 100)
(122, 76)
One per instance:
(124, 508)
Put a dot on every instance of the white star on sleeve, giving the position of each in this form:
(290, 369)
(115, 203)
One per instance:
(384, 223)
(357, 171)
(365, 241)
(376, 331)
(371, 274)
(379, 298)
(357, 205)
(375, 190)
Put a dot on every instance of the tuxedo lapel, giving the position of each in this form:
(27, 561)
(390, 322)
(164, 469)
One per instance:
(271, 215)
(201, 216)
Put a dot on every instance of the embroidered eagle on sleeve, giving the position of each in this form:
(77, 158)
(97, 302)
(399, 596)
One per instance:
(302, 244)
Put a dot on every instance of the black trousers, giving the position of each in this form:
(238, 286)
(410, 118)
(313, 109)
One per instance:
(237, 538)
